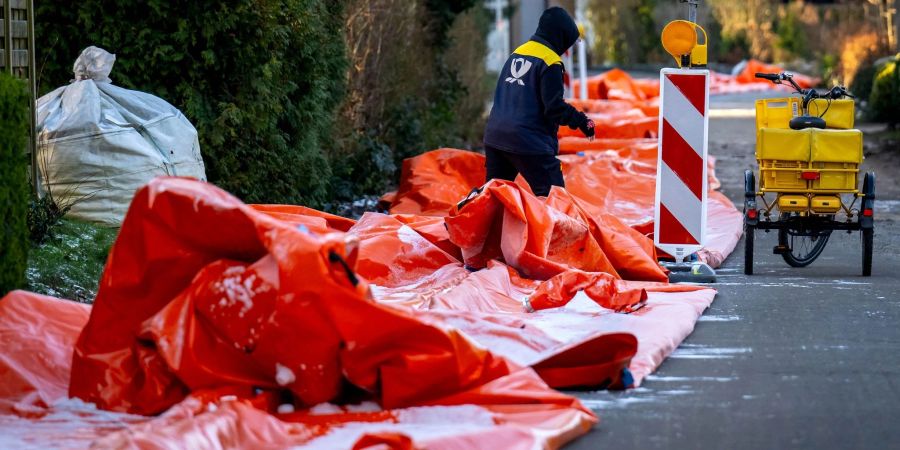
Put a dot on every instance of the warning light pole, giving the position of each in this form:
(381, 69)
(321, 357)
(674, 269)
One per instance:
(681, 177)
(692, 9)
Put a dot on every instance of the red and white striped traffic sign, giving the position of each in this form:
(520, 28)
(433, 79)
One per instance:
(681, 178)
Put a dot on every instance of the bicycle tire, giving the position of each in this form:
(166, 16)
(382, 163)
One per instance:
(868, 242)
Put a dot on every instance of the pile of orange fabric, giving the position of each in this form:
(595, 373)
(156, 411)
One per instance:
(632, 95)
(447, 323)
(224, 324)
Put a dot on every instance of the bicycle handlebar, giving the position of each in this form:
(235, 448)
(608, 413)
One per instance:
(808, 94)
(838, 92)
(768, 76)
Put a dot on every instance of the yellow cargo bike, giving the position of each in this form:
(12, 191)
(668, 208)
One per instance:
(808, 155)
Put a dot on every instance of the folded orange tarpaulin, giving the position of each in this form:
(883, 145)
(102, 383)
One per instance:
(314, 220)
(215, 313)
(617, 88)
(489, 306)
(615, 84)
(430, 186)
(752, 67)
(627, 148)
(618, 127)
(393, 255)
(515, 410)
(648, 107)
(620, 182)
(588, 357)
(505, 222)
(205, 297)
(543, 238)
(37, 334)
(203, 291)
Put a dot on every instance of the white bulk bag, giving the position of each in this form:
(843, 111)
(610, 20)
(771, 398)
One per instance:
(98, 143)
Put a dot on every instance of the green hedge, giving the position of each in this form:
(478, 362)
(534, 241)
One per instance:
(260, 79)
(14, 190)
(884, 101)
(416, 83)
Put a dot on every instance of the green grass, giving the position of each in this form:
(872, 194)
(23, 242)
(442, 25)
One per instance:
(70, 262)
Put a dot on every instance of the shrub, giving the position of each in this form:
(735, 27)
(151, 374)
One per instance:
(415, 84)
(14, 190)
(69, 264)
(828, 69)
(791, 36)
(260, 79)
(733, 48)
(44, 214)
(626, 31)
(884, 101)
(861, 86)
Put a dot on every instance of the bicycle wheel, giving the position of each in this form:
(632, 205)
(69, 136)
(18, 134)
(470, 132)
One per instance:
(868, 237)
(749, 231)
(867, 223)
(803, 247)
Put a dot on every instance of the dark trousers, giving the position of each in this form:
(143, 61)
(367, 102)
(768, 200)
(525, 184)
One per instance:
(540, 171)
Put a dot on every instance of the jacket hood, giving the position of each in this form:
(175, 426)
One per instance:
(557, 30)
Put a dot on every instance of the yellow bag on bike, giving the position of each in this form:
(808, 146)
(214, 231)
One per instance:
(783, 144)
(835, 155)
(838, 114)
(842, 146)
(782, 155)
(776, 112)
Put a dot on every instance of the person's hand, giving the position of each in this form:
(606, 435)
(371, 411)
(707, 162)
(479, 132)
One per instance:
(588, 129)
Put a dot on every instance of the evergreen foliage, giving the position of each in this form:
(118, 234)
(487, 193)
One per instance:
(412, 88)
(260, 79)
(791, 35)
(884, 101)
(14, 190)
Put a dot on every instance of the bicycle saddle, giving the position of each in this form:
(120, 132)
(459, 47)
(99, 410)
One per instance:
(804, 122)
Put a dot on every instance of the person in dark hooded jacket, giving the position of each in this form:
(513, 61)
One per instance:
(521, 132)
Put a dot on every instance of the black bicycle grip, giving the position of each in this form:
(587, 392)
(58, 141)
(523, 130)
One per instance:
(768, 76)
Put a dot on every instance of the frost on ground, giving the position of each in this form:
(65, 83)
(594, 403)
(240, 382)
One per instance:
(70, 423)
(70, 262)
(283, 375)
(420, 423)
(356, 208)
(703, 352)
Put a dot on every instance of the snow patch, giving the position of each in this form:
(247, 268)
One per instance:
(420, 423)
(687, 379)
(285, 408)
(283, 375)
(69, 423)
(708, 352)
(714, 318)
(324, 409)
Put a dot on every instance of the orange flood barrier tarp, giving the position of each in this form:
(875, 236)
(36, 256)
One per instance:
(445, 324)
(208, 307)
(618, 86)
(615, 177)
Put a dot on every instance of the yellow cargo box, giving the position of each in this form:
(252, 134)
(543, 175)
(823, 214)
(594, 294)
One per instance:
(793, 203)
(836, 155)
(783, 144)
(834, 176)
(844, 146)
(776, 112)
(782, 175)
(838, 114)
(826, 204)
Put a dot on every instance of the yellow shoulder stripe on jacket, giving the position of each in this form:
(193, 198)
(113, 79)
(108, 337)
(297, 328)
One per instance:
(538, 50)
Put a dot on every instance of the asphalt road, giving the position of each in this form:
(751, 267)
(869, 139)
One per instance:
(786, 358)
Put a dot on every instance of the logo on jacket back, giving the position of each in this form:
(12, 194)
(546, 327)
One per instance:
(518, 68)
